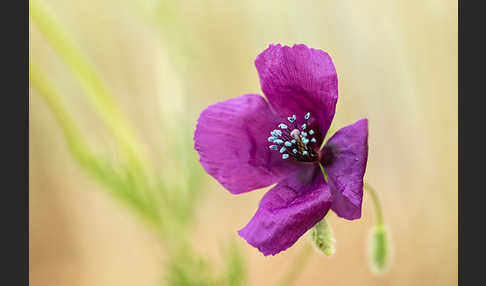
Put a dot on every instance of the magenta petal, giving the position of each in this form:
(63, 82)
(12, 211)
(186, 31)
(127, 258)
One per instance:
(287, 211)
(297, 80)
(344, 160)
(231, 138)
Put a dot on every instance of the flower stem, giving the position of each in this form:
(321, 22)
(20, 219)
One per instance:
(323, 172)
(297, 266)
(379, 242)
(376, 203)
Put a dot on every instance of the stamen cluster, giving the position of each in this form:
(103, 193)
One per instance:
(292, 140)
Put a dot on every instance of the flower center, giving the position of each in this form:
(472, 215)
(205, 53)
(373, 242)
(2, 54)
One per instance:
(292, 140)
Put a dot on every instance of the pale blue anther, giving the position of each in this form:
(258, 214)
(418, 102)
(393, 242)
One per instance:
(305, 140)
(283, 149)
(304, 126)
(273, 147)
(283, 126)
(292, 118)
(313, 140)
(288, 144)
(271, 139)
(304, 134)
(294, 150)
(304, 153)
(293, 141)
(279, 141)
(277, 132)
(311, 132)
(307, 116)
(285, 156)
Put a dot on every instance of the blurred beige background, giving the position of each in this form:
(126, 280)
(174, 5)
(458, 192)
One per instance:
(396, 64)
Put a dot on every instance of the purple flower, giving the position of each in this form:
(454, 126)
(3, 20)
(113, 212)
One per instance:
(247, 143)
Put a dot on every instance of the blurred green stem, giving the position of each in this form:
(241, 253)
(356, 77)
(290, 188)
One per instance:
(96, 166)
(52, 98)
(376, 203)
(134, 180)
(136, 164)
(379, 240)
(297, 266)
(89, 79)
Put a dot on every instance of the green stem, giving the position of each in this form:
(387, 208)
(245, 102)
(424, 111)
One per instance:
(297, 266)
(376, 203)
(323, 173)
(371, 191)
(89, 79)
(79, 147)
(50, 94)
(135, 155)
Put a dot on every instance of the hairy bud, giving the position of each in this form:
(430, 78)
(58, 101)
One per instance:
(321, 238)
(379, 249)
